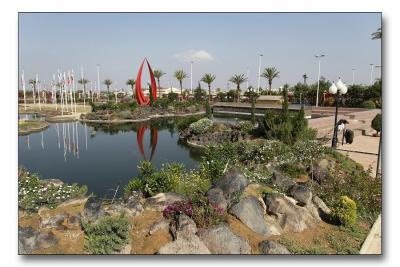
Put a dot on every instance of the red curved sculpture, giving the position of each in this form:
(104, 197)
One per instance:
(140, 97)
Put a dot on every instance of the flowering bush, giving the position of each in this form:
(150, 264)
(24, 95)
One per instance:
(201, 126)
(34, 192)
(178, 208)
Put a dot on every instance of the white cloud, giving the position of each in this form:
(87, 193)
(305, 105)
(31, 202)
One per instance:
(195, 55)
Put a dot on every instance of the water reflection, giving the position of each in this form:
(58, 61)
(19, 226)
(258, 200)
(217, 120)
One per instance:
(109, 156)
(153, 140)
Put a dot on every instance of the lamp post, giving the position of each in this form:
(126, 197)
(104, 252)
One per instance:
(319, 74)
(378, 67)
(259, 74)
(372, 71)
(353, 70)
(338, 90)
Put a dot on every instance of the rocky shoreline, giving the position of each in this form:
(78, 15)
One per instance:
(266, 216)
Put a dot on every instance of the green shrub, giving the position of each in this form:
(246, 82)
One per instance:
(172, 97)
(245, 127)
(376, 123)
(106, 236)
(201, 126)
(184, 122)
(216, 158)
(125, 114)
(345, 211)
(34, 192)
(368, 104)
(170, 178)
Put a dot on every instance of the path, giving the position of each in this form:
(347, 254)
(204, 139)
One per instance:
(365, 149)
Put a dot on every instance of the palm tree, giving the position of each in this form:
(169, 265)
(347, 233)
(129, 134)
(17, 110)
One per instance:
(132, 83)
(305, 77)
(270, 74)
(83, 82)
(108, 82)
(377, 34)
(238, 79)
(158, 74)
(33, 83)
(180, 75)
(208, 78)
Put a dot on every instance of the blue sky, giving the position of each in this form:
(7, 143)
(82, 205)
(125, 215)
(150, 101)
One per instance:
(222, 44)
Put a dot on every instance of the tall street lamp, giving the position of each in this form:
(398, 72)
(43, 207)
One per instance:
(338, 90)
(372, 71)
(259, 74)
(319, 74)
(378, 67)
(353, 70)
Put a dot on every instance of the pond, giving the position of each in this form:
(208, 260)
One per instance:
(102, 157)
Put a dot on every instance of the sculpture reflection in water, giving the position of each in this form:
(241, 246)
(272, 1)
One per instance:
(153, 140)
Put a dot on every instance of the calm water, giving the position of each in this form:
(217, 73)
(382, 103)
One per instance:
(102, 157)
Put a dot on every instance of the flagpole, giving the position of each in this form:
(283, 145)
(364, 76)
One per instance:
(23, 87)
(83, 84)
(37, 83)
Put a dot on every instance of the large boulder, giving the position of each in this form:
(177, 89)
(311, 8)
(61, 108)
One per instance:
(162, 200)
(323, 210)
(46, 239)
(26, 240)
(302, 194)
(53, 222)
(221, 240)
(227, 188)
(280, 180)
(320, 170)
(92, 209)
(272, 247)
(217, 199)
(182, 226)
(250, 212)
(291, 217)
(189, 245)
(29, 240)
(162, 224)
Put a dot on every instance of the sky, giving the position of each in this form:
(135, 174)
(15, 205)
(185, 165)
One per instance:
(219, 43)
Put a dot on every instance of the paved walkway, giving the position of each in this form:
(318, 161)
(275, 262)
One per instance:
(363, 150)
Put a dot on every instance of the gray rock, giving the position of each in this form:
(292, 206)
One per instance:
(26, 240)
(46, 239)
(217, 199)
(161, 200)
(250, 212)
(93, 209)
(323, 209)
(290, 217)
(29, 240)
(52, 222)
(280, 180)
(232, 182)
(272, 247)
(320, 170)
(162, 224)
(302, 194)
(227, 188)
(189, 245)
(55, 182)
(221, 240)
(182, 226)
